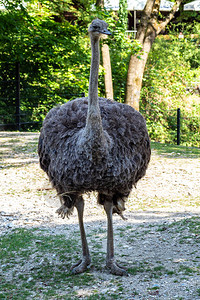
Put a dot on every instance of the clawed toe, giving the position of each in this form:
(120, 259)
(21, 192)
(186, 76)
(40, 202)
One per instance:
(116, 269)
(80, 266)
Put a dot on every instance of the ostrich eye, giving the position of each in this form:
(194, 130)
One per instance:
(95, 27)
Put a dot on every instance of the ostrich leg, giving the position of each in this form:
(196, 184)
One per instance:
(110, 261)
(82, 264)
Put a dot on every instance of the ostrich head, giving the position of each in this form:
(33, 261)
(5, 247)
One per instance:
(98, 27)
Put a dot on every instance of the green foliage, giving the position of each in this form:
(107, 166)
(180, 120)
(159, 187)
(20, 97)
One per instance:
(121, 47)
(49, 52)
(185, 20)
(54, 55)
(170, 81)
(123, 14)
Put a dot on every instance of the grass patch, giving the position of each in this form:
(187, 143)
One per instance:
(187, 270)
(35, 263)
(191, 225)
(22, 144)
(152, 271)
(174, 151)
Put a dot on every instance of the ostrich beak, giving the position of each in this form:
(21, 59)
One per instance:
(106, 31)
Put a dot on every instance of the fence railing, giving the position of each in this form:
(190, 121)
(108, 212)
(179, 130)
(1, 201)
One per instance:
(23, 107)
(21, 119)
(173, 126)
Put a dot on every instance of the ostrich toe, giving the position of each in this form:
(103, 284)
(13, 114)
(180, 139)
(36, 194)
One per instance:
(81, 265)
(116, 269)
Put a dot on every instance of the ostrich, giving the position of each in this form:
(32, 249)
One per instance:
(94, 144)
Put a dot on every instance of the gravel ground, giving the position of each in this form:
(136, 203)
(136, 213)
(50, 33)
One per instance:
(155, 237)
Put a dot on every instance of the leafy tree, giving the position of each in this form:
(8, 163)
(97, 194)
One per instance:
(171, 81)
(120, 49)
(123, 15)
(150, 26)
(49, 54)
(184, 20)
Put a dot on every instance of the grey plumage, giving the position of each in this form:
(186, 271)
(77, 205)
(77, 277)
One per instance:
(94, 144)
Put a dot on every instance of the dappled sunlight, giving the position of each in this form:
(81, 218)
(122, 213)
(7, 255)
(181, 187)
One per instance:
(170, 185)
(18, 149)
(158, 243)
(173, 151)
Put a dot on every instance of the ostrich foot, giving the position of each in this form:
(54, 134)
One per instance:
(81, 265)
(116, 269)
(64, 211)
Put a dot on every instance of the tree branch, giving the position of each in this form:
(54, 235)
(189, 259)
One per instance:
(149, 7)
(160, 26)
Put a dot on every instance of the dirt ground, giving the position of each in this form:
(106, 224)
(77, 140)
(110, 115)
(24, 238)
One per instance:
(166, 198)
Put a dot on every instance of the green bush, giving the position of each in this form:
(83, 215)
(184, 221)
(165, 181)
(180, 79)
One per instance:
(54, 56)
(171, 76)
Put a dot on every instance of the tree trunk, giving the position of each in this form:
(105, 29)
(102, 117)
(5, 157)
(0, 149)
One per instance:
(106, 62)
(108, 72)
(100, 3)
(136, 71)
(149, 28)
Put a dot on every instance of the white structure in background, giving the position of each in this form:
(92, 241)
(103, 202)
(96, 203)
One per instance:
(194, 5)
(136, 5)
(2, 7)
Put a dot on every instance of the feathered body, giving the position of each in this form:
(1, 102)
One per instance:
(94, 144)
(72, 164)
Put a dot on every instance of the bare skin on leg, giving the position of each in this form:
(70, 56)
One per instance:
(110, 260)
(83, 263)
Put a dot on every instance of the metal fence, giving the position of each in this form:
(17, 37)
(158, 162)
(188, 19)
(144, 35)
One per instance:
(22, 118)
(23, 107)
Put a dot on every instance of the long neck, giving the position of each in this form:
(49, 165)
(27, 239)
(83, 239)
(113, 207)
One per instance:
(94, 71)
(94, 123)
